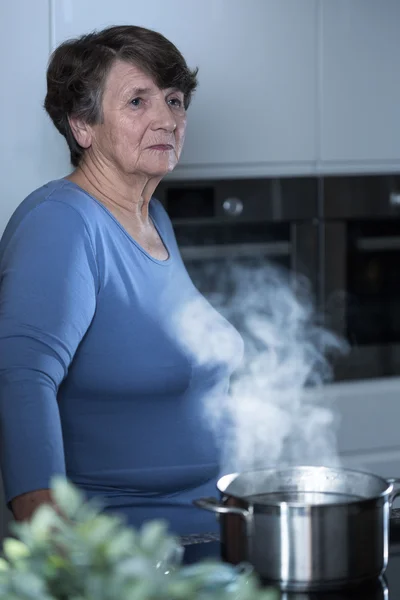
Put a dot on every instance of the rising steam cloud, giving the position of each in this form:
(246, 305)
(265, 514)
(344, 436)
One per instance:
(274, 414)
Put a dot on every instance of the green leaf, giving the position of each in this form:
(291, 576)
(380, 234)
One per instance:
(135, 567)
(142, 590)
(179, 590)
(67, 497)
(43, 522)
(15, 550)
(121, 544)
(99, 530)
(28, 585)
(22, 531)
(152, 534)
(56, 562)
(4, 566)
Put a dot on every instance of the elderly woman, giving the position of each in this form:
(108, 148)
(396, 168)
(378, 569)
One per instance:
(98, 380)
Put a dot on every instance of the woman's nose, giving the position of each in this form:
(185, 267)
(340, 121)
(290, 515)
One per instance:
(163, 117)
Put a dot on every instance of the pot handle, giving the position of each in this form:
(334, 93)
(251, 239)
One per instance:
(213, 505)
(396, 488)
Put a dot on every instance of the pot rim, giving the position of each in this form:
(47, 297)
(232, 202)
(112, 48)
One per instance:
(388, 484)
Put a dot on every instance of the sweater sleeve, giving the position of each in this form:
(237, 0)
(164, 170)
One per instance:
(48, 286)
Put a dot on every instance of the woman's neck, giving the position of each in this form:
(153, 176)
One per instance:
(129, 197)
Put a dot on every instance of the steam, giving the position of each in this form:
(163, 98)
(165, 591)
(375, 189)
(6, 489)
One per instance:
(274, 413)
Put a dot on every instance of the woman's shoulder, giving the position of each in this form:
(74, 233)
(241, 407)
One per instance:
(55, 204)
(67, 193)
(56, 199)
(58, 190)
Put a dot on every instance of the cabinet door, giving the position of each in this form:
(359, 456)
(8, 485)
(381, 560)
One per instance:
(360, 86)
(254, 111)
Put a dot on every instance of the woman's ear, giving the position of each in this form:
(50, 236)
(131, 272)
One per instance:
(82, 132)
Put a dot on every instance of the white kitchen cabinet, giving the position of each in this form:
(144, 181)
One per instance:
(254, 111)
(359, 86)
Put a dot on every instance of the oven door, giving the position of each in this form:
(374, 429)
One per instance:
(209, 250)
(362, 294)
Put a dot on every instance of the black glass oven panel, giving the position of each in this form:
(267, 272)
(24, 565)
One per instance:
(188, 203)
(215, 278)
(231, 233)
(373, 282)
(211, 252)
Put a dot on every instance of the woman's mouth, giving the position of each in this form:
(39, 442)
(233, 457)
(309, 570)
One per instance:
(162, 147)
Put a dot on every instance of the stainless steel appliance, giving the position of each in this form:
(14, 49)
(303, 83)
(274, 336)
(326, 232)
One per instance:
(248, 222)
(360, 271)
(306, 528)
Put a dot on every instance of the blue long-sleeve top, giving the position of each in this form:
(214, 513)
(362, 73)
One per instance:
(99, 380)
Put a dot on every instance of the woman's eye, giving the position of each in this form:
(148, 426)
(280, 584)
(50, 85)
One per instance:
(175, 102)
(136, 102)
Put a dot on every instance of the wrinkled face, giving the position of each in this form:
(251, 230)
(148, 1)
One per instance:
(143, 127)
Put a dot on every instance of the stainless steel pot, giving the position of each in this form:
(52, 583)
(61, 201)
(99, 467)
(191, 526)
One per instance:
(306, 528)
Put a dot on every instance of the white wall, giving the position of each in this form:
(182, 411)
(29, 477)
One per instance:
(31, 150)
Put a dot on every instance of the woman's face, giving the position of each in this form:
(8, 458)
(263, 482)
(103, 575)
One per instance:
(143, 127)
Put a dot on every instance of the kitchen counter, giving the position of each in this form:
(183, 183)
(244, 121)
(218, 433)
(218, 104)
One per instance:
(386, 589)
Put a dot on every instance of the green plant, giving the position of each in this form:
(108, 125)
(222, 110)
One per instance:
(79, 553)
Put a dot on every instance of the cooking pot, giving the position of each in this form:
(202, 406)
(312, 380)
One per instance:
(306, 528)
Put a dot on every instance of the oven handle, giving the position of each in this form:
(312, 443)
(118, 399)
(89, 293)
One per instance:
(269, 249)
(378, 244)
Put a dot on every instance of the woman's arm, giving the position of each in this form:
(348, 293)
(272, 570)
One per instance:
(25, 505)
(48, 286)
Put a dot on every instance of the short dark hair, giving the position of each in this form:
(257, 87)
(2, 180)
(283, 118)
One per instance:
(78, 69)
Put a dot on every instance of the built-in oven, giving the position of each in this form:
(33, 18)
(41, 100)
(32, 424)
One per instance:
(361, 272)
(249, 223)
